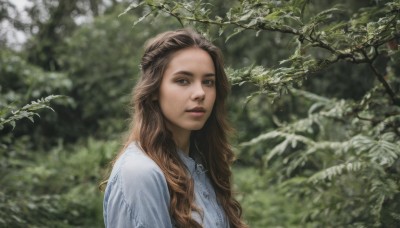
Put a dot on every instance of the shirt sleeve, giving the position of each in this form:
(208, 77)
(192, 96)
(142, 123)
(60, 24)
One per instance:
(137, 196)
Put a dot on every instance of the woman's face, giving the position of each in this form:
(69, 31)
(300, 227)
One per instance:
(187, 92)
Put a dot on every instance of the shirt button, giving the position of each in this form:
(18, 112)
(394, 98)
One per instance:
(206, 195)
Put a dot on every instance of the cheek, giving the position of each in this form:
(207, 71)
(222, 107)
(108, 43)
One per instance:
(169, 100)
(213, 96)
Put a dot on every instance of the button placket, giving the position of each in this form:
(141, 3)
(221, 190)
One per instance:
(219, 214)
(205, 191)
(205, 186)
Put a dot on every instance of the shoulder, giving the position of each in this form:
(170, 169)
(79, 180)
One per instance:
(137, 192)
(134, 161)
(134, 169)
(140, 176)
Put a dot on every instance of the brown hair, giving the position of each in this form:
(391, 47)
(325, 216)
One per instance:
(148, 128)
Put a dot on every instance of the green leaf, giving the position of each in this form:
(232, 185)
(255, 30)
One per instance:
(132, 6)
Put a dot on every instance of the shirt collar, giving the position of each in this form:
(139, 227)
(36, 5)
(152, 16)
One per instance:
(188, 161)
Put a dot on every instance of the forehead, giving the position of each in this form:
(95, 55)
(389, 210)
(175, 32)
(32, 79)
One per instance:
(191, 59)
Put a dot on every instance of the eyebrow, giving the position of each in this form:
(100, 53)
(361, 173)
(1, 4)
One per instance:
(187, 73)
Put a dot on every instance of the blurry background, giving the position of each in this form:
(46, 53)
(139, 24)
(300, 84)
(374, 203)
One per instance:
(319, 151)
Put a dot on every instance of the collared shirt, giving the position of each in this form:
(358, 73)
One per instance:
(137, 194)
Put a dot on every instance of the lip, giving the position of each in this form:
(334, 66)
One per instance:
(196, 112)
(196, 109)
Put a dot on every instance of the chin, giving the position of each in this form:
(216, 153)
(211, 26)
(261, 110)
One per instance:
(196, 127)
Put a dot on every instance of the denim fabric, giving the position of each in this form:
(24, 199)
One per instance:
(137, 194)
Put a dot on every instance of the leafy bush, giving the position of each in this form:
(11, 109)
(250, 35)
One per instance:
(22, 83)
(263, 203)
(56, 190)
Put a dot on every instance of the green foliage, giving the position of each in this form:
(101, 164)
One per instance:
(264, 205)
(315, 100)
(28, 111)
(24, 89)
(103, 66)
(56, 190)
(356, 170)
(21, 81)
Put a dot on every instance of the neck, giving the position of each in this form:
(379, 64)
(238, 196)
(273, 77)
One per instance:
(181, 138)
(183, 143)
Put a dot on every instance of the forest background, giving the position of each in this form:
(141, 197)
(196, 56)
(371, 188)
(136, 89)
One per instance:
(315, 102)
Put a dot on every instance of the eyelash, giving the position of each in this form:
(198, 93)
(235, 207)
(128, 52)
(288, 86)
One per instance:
(208, 82)
(182, 81)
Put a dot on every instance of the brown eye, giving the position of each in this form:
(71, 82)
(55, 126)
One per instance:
(182, 81)
(209, 82)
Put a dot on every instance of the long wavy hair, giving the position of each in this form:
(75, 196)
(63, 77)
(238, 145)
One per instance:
(148, 128)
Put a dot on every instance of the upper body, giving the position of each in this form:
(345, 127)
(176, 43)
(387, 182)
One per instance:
(137, 193)
(179, 110)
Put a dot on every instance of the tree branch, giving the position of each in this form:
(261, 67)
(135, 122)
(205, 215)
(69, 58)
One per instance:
(382, 80)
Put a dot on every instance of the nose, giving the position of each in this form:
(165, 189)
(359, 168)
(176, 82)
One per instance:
(198, 92)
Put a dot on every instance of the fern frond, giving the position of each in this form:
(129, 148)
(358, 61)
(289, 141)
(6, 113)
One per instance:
(380, 151)
(28, 111)
(337, 170)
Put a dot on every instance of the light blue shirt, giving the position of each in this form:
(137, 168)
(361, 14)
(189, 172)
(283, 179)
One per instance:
(137, 194)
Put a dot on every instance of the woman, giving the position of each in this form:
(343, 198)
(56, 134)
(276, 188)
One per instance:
(174, 170)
